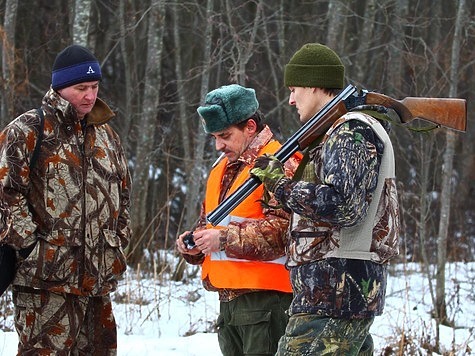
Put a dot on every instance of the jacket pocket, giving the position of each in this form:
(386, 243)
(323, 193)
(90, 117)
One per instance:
(114, 261)
(308, 246)
(58, 255)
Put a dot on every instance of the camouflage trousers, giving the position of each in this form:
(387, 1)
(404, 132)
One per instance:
(308, 334)
(63, 324)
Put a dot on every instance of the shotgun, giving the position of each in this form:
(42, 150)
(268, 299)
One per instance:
(447, 112)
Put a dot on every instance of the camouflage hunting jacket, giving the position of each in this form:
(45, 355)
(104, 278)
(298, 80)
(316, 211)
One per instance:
(333, 193)
(73, 206)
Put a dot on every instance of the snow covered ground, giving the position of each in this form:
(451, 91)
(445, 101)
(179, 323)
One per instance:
(158, 317)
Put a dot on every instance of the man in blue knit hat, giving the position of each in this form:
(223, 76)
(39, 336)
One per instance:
(70, 219)
(242, 258)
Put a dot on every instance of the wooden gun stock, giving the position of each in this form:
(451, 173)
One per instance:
(447, 112)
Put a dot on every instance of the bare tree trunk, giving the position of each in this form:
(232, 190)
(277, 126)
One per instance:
(363, 61)
(195, 191)
(182, 114)
(427, 147)
(447, 170)
(276, 77)
(336, 25)
(147, 129)
(8, 62)
(194, 195)
(82, 12)
(394, 84)
(128, 70)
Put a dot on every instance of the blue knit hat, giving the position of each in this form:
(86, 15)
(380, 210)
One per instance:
(73, 65)
(226, 106)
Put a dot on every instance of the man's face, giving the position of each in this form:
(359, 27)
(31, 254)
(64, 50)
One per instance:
(308, 101)
(233, 141)
(82, 96)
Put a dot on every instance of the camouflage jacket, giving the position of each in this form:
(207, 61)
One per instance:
(73, 205)
(333, 193)
(263, 239)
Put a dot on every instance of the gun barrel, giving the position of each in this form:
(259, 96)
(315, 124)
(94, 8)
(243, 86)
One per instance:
(228, 205)
(451, 113)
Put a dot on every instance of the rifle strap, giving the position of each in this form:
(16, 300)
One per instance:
(299, 172)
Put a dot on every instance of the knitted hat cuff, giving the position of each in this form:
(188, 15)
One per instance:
(315, 76)
(75, 74)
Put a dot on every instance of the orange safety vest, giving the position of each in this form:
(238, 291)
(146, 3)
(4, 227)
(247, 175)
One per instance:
(226, 272)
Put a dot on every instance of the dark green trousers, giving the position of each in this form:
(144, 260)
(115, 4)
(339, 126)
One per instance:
(253, 323)
(308, 334)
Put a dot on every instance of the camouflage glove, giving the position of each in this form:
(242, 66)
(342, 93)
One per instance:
(269, 170)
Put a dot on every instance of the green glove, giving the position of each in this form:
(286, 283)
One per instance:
(269, 170)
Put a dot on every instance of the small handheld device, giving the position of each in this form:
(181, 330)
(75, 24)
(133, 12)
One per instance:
(189, 241)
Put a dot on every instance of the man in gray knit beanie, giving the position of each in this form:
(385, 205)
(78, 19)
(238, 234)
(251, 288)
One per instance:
(344, 226)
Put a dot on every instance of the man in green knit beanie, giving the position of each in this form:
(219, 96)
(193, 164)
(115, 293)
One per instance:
(344, 224)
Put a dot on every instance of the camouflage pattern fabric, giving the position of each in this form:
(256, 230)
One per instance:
(63, 324)
(309, 335)
(340, 177)
(73, 207)
(5, 216)
(74, 204)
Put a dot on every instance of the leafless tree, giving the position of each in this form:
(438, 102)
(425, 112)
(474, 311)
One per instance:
(8, 60)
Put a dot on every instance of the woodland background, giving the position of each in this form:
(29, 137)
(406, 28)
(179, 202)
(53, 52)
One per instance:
(160, 58)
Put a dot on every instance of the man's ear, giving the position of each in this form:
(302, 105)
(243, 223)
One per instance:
(251, 126)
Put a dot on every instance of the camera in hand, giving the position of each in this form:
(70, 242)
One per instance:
(189, 241)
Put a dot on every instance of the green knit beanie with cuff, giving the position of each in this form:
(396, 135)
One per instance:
(226, 106)
(315, 66)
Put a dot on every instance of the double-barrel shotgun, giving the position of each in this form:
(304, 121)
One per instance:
(446, 112)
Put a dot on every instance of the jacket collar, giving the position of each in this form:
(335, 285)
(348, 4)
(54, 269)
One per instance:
(100, 114)
(262, 138)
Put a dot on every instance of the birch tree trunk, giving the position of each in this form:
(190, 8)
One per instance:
(447, 170)
(82, 12)
(8, 62)
(147, 128)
